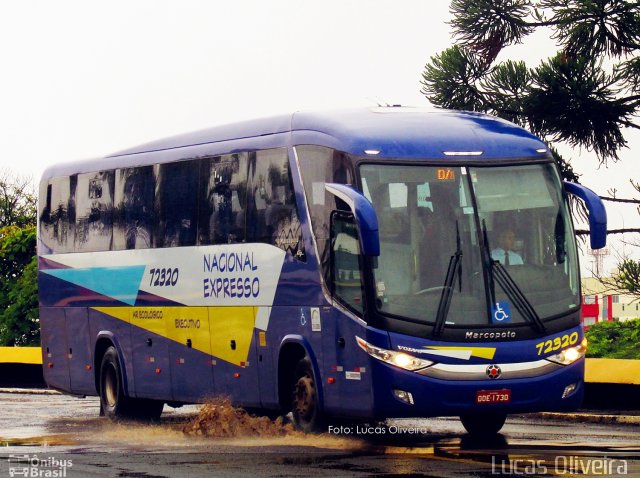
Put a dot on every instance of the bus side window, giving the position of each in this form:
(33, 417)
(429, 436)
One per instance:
(272, 216)
(94, 211)
(346, 282)
(57, 218)
(222, 199)
(176, 203)
(134, 212)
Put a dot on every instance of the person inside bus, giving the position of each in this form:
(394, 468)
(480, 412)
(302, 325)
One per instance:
(505, 253)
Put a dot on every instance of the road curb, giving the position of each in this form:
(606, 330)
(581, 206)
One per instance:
(578, 417)
(30, 391)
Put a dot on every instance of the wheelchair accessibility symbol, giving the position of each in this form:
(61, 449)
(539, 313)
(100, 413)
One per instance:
(501, 313)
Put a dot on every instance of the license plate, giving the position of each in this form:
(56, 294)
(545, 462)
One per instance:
(486, 397)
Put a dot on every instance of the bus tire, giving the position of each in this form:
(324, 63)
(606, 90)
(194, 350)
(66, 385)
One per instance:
(305, 406)
(114, 403)
(483, 424)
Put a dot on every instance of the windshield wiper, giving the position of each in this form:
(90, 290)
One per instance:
(455, 266)
(517, 296)
(498, 273)
(488, 264)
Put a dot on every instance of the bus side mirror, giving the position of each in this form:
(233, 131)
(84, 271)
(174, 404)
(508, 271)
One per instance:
(597, 213)
(364, 214)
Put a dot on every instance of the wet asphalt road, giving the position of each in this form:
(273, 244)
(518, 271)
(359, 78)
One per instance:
(61, 436)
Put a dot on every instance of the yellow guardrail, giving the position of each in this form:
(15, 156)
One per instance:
(26, 355)
(598, 370)
(601, 370)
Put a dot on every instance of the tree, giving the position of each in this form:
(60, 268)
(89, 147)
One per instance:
(19, 323)
(585, 95)
(571, 97)
(18, 262)
(17, 200)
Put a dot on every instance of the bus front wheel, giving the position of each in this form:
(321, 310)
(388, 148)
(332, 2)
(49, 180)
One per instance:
(483, 424)
(305, 405)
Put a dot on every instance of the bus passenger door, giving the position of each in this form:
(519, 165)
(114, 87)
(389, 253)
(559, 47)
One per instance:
(81, 374)
(190, 353)
(54, 348)
(150, 351)
(235, 365)
(350, 364)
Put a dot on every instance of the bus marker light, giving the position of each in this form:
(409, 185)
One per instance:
(403, 396)
(236, 375)
(331, 380)
(462, 153)
(158, 370)
(50, 365)
(88, 367)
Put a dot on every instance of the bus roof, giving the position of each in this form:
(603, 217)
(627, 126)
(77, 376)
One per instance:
(390, 131)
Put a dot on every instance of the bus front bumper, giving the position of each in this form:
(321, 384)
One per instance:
(401, 393)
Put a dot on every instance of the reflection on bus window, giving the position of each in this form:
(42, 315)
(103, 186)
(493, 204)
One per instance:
(345, 249)
(94, 211)
(57, 214)
(134, 198)
(223, 199)
(272, 215)
(177, 203)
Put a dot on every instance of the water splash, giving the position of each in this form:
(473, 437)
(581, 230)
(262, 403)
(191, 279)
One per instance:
(219, 419)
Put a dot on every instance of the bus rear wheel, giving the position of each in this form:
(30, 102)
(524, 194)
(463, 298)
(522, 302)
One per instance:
(305, 404)
(113, 401)
(483, 424)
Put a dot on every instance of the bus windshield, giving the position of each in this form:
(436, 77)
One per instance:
(472, 246)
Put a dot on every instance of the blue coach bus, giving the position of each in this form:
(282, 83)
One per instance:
(361, 264)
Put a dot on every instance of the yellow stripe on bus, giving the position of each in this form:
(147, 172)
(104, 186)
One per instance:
(223, 332)
(480, 352)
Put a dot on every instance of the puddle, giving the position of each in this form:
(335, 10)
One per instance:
(217, 424)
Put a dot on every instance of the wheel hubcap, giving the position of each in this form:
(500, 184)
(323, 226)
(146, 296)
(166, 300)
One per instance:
(304, 397)
(110, 387)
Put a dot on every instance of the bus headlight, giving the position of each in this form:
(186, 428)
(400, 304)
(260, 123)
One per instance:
(392, 357)
(570, 355)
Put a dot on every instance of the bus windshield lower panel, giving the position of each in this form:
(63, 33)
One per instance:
(443, 231)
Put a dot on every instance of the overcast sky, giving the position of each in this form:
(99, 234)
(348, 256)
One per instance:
(82, 79)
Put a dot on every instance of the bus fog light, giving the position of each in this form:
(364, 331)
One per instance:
(403, 396)
(569, 389)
